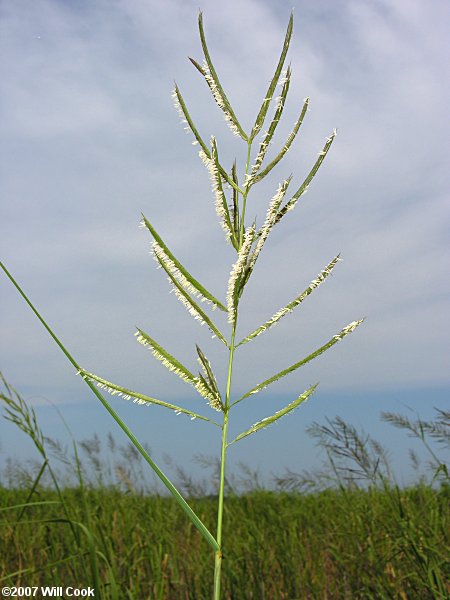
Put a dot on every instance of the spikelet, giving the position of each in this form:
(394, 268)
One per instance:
(220, 100)
(346, 330)
(237, 272)
(305, 185)
(216, 184)
(161, 257)
(179, 109)
(140, 399)
(213, 399)
(255, 176)
(276, 416)
(270, 219)
(209, 382)
(298, 300)
(167, 359)
(334, 340)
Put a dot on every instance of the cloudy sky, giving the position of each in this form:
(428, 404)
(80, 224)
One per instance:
(90, 139)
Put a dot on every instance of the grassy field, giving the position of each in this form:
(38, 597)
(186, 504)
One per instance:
(83, 518)
(330, 544)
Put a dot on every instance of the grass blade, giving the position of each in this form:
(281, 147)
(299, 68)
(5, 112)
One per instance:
(194, 309)
(177, 269)
(28, 505)
(195, 520)
(334, 340)
(216, 88)
(269, 95)
(285, 148)
(281, 413)
(298, 300)
(140, 399)
(304, 187)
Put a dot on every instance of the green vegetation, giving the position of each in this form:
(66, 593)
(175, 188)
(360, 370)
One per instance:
(333, 544)
(347, 531)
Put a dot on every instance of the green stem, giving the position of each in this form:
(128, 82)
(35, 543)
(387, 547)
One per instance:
(245, 193)
(223, 456)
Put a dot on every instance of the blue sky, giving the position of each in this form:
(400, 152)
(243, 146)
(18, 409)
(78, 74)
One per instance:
(90, 139)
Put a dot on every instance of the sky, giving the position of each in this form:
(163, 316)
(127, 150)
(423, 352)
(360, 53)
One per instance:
(90, 140)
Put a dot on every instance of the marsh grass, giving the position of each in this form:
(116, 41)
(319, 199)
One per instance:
(232, 193)
(354, 534)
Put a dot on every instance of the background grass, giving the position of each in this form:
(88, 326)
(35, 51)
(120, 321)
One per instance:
(78, 517)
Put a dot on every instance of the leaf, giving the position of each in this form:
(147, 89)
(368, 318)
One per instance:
(141, 399)
(264, 145)
(194, 309)
(334, 340)
(215, 86)
(269, 95)
(178, 271)
(281, 413)
(298, 300)
(285, 148)
(195, 520)
(304, 187)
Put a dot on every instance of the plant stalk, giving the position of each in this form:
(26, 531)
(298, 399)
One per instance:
(223, 457)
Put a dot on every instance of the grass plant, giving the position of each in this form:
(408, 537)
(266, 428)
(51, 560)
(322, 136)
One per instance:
(232, 191)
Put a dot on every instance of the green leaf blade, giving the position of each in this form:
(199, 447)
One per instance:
(195, 520)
